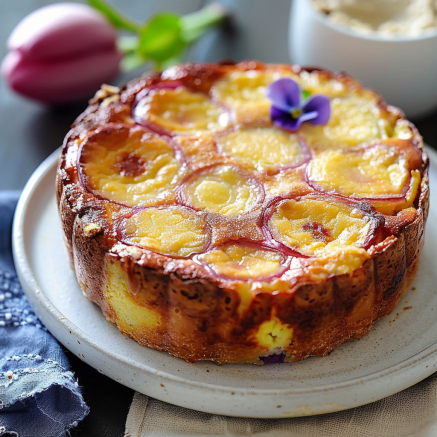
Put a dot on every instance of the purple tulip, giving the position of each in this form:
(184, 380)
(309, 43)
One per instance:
(61, 54)
(289, 109)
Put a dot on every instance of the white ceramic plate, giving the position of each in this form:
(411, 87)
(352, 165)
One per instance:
(398, 352)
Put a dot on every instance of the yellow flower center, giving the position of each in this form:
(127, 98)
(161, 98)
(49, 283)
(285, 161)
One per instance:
(296, 112)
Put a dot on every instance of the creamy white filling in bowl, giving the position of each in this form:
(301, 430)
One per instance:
(400, 17)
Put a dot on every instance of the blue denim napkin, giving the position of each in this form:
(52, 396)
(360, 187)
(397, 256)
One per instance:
(39, 396)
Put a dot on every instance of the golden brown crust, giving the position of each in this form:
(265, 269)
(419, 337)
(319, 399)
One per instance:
(203, 317)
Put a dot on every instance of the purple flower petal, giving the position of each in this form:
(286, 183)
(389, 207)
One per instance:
(308, 116)
(274, 358)
(321, 105)
(283, 119)
(284, 94)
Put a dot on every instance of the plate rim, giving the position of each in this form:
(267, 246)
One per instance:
(35, 293)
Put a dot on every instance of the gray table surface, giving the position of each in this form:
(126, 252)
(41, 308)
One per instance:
(29, 132)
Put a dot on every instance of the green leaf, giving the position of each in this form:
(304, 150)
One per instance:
(115, 17)
(160, 38)
(305, 94)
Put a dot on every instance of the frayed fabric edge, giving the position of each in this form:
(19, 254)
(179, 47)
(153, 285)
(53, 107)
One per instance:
(83, 406)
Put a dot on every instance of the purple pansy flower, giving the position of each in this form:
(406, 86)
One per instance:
(290, 109)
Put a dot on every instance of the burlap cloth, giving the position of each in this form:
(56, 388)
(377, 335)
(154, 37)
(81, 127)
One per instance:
(411, 412)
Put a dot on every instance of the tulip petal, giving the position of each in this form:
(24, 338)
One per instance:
(62, 30)
(63, 81)
(9, 64)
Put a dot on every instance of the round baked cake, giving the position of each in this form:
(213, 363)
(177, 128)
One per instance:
(243, 213)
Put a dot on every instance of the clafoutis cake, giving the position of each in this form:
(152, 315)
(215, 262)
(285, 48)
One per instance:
(243, 213)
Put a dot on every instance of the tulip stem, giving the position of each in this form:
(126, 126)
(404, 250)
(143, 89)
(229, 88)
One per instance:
(196, 23)
(116, 18)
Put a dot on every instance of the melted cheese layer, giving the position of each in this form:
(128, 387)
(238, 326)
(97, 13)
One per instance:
(221, 190)
(239, 261)
(171, 231)
(355, 119)
(262, 148)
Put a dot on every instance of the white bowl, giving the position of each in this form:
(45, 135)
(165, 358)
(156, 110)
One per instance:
(402, 68)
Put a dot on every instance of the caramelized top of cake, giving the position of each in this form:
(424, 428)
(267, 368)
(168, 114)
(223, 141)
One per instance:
(188, 165)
